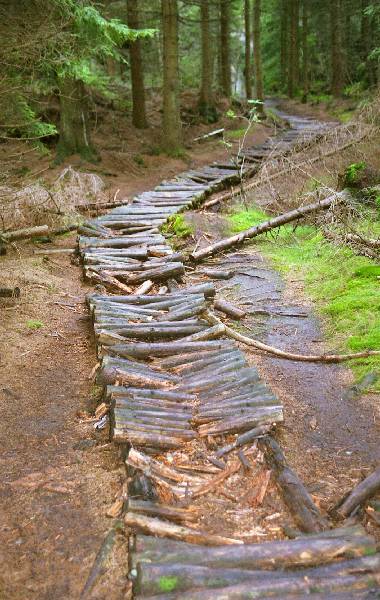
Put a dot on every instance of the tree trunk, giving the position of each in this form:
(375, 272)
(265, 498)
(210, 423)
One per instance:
(305, 51)
(293, 48)
(225, 50)
(248, 69)
(172, 129)
(367, 36)
(259, 86)
(206, 99)
(74, 134)
(137, 70)
(336, 48)
(284, 43)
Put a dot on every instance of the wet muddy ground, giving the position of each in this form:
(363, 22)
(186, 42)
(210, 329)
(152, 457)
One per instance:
(330, 437)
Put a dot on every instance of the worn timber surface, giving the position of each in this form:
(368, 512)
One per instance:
(191, 411)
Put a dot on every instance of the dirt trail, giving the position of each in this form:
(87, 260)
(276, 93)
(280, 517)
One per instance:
(58, 475)
(330, 439)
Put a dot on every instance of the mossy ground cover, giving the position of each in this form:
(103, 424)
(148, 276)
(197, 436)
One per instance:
(345, 287)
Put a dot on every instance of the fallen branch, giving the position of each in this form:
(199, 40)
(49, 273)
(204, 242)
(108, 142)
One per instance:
(324, 358)
(266, 226)
(22, 234)
(156, 527)
(235, 191)
(366, 488)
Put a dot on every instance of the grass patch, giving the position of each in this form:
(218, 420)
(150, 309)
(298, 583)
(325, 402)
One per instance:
(34, 324)
(345, 287)
(176, 226)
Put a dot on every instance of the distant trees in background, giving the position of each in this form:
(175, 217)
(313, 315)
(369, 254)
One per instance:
(125, 49)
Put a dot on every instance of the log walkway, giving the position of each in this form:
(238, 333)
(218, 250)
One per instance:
(177, 389)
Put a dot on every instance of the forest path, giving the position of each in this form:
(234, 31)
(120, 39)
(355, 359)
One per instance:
(54, 500)
(180, 394)
(337, 431)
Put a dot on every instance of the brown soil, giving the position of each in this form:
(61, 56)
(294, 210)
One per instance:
(59, 475)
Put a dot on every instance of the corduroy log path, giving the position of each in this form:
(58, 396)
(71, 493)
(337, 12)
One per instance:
(184, 402)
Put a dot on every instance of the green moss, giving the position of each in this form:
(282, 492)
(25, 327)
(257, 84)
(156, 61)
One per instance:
(345, 287)
(168, 584)
(177, 226)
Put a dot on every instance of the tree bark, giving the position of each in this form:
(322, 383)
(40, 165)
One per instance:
(360, 494)
(305, 51)
(207, 107)
(137, 70)
(308, 551)
(259, 85)
(248, 68)
(172, 128)
(284, 55)
(225, 47)
(293, 48)
(297, 498)
(164, 529)
(337, 79)
(74, 132)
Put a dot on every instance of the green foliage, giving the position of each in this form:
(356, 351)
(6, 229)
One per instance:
(353, 173)
(344, 286)
(34, 324)
(177, 226)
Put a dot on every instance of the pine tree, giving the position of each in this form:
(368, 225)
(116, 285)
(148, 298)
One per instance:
(171, 124)
(137, 70)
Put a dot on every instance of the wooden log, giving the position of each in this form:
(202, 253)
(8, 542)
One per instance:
(111, 375)
(142, 350)
(362, 492)
(284, 554)
(23, 234)
(145, 438)
(266, 415)
(217, 273)
(150, 577)
(229, 309)
(109, 282)
(171, 513)
(306, 515)
(266, 226)
(166, 395)
(176, 532)
(285, 585)
(158, 274)
(192, 577)
(211, 333)
(245, 438)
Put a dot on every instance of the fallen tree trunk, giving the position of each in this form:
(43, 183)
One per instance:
(266, 226)
(297, 498)
(366, 488)
(324, 358)
(23, 234)
(193, 577)
(303, 552)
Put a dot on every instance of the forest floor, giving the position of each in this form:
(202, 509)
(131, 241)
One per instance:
(60, 475)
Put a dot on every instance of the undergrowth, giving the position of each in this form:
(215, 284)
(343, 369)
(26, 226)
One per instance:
(177, 226)
(344, 287)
